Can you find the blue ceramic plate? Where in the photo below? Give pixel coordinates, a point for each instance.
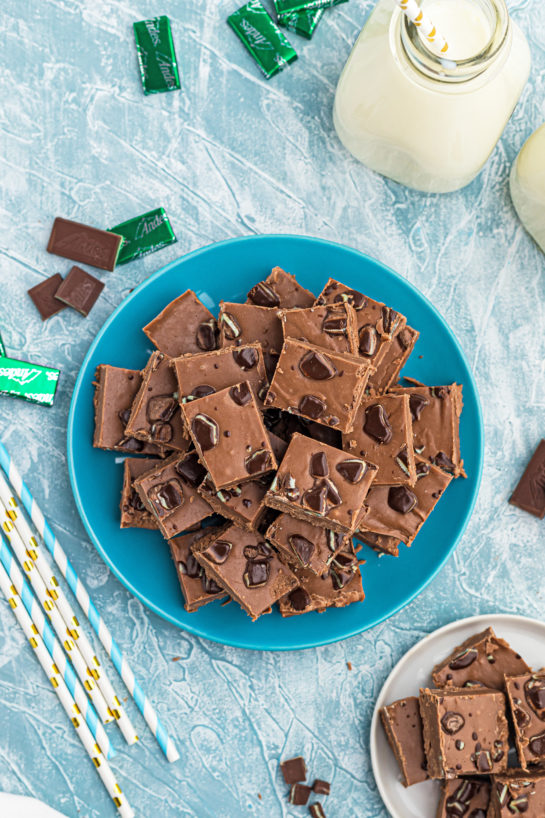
(141, 559)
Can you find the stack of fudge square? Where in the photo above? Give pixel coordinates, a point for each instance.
(480, 729)
(271, 437)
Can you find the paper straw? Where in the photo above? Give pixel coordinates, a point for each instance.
(55, 650)
(80, 592)
(53, 613)
(423, 22)
(29, 551)
(70, 707)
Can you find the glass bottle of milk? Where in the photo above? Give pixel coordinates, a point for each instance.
(528, 185)
(427, 120)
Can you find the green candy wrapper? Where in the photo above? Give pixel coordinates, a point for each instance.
(262, 37)
(290, 6)
(31, 382)
(144, 234)
(302, 22)
(156, 55)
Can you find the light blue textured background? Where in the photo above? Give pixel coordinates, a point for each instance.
(230, 155)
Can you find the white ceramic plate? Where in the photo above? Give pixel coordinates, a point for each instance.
(526, 636)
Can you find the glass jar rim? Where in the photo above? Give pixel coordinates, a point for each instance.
(440, 67)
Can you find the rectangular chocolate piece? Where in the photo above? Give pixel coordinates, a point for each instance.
(134, 514)
(465, 732)
(383, 435)
(247, 568)
(403, 727)
(246, 323)
(400, 511)
(242, 504)
(304, 545)
(517, 793)
(294, 770)
(115, 390)
(332, 326)
(435, 412)
(280, 289)
(262, 37)
(85, 244)
(529, 495)
(304, 23)
(31, 382)
(483, 659)
(320, 484)
(321, 787)
(156, 55)
(460, 797)
(526, 698)
(316, 811)
(394, 359)
(43, 296)
(319, 385)
(229, 436)
(155, 414)
(197, 589)
(170, 493)
(79, 290)
(377, 323)
(183, 326)
(200, 375)
(338, 587)
(143, 235)
(299, 794)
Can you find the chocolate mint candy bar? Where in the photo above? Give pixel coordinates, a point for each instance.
(294, 770)
(144, 234)
(43, 296)
(31, 382)
(184, 326)
(79, 290)
(529, 495)
(156, 55)
(85, 244)
(262, 37)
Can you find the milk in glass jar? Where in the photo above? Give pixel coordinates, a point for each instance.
(426, 119)
(528, 186)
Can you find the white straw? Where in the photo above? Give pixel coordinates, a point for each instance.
(70, 707)
(423, 22)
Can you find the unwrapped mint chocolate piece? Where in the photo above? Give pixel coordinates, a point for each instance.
(529, 494)
(31, 382)
(144, 234)
(85, 244)
(43, 296)
(262, 37)
(79, 290)
(156, 55)
(302, 22)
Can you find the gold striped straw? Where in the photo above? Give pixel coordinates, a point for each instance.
(423, 22)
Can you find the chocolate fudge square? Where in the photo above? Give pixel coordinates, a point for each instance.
(377, 323)
(483, 659)
(339, 586)
(197, 589)
(170, 493)
(229, 436)
(403, 727)
(200, 375)
(383, 434)
(394, 359)
(435, 412)
(465, 732)
(321, 484)
(332, 326)
(517, 793)
(155, 415)
(184, 326)
(380, 543)
(529, 494)
(317, 384)
(247, 568)
(134, 514)
(115, 390)
(245, 323)
(401, 511)
(461, 797)
(304, 545)
(280, 289)
(242, 504)
(526, 697)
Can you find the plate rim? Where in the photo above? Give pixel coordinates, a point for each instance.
(194, 628)
(477, 619)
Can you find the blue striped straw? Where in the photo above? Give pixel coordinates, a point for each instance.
(80, 592)
(54, 648)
